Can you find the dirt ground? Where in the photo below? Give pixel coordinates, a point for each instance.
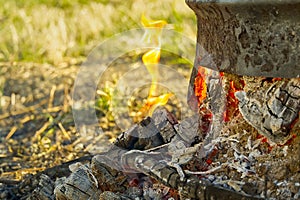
(37, 130)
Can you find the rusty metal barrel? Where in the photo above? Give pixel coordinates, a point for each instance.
(247, 37)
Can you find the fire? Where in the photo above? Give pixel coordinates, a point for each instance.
(151, 60)
(151, 57)
(200, 89)
(153, 102)
(153, 29)
(200, 84)
(232, 102)
(148, 23)
(201, 93)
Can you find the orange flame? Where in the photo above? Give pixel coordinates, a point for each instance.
(232, 102)
(200, 84)
(200, 88)
(153, 102)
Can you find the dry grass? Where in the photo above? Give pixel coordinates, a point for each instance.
(56, 31)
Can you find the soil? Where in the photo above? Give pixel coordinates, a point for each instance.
(37, 130)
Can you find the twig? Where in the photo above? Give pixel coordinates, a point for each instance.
(51, 96)
(9, 181)
(32, 109)
(156, 148)
(63, 130)
(41, 130)
(205, 172)
(26, 119)
(19, 112)
(11, 132)
(13, 99)
(15, 128)
(23, 171)
(66, 99)
(53, 109)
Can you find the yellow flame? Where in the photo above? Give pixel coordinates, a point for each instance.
(153, 102)
(160, 100)
(151, 60)
(151, 57)
(153, 29)
(152, 23)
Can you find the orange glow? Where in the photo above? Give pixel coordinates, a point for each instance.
(152, 23)
(201, 95)
(206, 119)
(265, 141)
(232, 102)
(200, 84)
(154, 102)
(289, 141)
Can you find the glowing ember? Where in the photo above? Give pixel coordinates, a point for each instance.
(206, 119)
(232, 102)
(200, 88)
(200, 84)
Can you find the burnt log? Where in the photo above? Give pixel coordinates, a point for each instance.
(107, 176)
(274, 114)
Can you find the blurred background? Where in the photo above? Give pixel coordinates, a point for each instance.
(56, 31)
